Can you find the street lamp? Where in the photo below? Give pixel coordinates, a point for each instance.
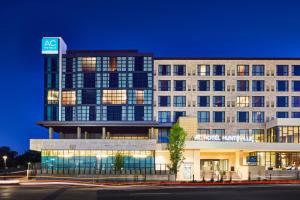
(5, 158)
(28, 165)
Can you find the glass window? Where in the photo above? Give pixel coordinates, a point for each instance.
(258, 101)
(242, 101)
(243, 133)
(220, 132)
(296, 86)
(88, 64)
(52, 97)
(296, 101)
(203, 85)
(282, 70)
(219, 116)
(164, 70)
(163, 135)
(179, 101)
(114, 97)
(282, 101)
(179, 70)
(179, 85)
(258, 85)
(282, 86)
(295, 114)
(68, 97)
(203, 131)
(88, 97)
(242, 85)
(219, 85)
(164, 101)
(114, 113)
(243, 117)
(139, 96)
(203, 101)
(219, 70)
(282, 115)
(140, 80)
(296, 70)
(89, 80)
(203, 116)
(164, 116)
(258, 117)
(178, 114)
(219, 101)
(203, 70)
(164, 85)
(258, 135)
(243, 70)
(258, 70)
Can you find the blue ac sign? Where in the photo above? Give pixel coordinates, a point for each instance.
(50, 45)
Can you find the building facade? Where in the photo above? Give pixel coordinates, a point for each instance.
(240, 114)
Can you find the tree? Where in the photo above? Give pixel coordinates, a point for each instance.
(175, 146)
(119, 162)
(28, 156)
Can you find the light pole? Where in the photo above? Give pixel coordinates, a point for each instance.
(28, 165)
(28, 168)
(5, 158)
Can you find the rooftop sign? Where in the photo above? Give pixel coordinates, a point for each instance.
(50, 45)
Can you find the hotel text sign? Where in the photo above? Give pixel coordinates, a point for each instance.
(224, 138)
(50, 45)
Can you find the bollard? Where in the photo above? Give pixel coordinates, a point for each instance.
(193, 178)
(270, 176)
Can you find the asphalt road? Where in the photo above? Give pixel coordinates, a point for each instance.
(50, 192)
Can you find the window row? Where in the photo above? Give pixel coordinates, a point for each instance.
(241, 116)
(72, 97)
(219, 70)
(103, 80)
(111, 64)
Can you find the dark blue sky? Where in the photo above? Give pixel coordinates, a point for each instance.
(249, 28)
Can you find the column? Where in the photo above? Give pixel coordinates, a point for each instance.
(108, 135)
(78, 133)
(152, 132)
(61, 136)
(103, 132)
(50, 131)
(85, 135)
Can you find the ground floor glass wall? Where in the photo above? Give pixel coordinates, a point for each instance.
(278, 160)
(92, 161)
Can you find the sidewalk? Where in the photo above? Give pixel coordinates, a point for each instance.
(177, 183)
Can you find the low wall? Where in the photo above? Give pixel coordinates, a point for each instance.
(282, 174)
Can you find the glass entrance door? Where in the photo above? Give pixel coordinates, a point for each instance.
(214, 165)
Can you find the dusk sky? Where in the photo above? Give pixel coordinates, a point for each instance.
(212, 28)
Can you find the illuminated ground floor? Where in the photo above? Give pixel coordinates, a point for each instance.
(197, 163)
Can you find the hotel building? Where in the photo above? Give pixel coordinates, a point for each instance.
(240, 114)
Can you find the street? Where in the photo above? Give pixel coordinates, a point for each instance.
(56, 192)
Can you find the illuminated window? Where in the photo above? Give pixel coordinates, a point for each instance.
(68, 97)
(52, 97)
(203, 70)
(114, 97)
(88, 64)
(243, 70)
(139, 96)
(242, 102)
(113, 64)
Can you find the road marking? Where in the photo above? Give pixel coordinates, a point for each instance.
(55, 194)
